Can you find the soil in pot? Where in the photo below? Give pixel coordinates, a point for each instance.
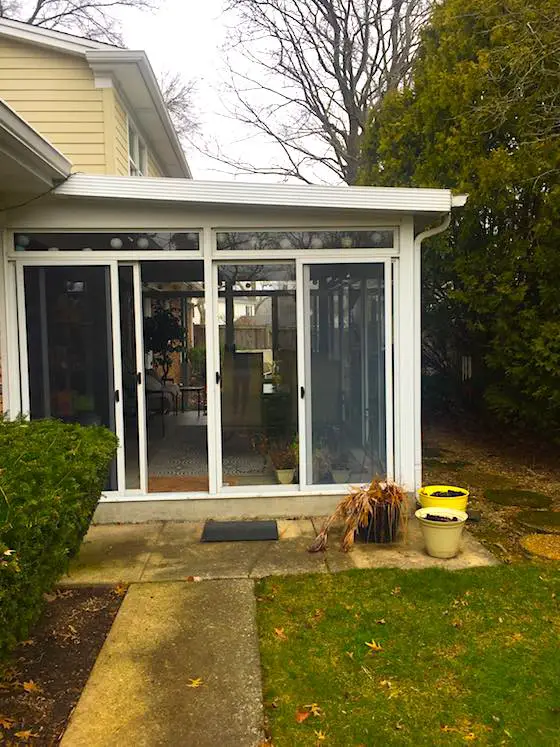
(383, 525)
(447, 494)
(436, 517)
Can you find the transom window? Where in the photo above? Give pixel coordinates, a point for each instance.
(137, 153)
(277, 240)
(106, 242)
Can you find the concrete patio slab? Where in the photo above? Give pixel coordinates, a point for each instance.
(289, 558)
(113, 554)
(139, 692)
(172, 551)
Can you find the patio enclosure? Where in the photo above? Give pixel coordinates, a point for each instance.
(214, 356)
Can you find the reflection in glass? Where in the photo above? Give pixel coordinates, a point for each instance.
(257, 333)
(308, 240)
(69, 339)
(106, 242)
(347, 355)
(175, 375)
(129, 378)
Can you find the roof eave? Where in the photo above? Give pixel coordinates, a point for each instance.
(106, 62)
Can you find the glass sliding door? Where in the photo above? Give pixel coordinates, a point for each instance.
(347, 359)
(70, 345)
(257, 373)
(174, 375)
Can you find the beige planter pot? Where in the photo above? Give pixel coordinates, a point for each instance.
(442, 538)
(341, 476)
(285, 476)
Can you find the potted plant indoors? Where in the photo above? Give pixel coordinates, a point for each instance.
(375, 512)
(340, 469)
(284, 460)
(163, 336)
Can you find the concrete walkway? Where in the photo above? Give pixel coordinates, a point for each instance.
(189, 619)
(166, 636)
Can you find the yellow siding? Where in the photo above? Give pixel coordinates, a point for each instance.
(153, 168)
(56, 94)
(121, 138)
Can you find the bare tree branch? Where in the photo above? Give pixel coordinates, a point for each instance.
(178, 95)
(304, 73)
(92, 19)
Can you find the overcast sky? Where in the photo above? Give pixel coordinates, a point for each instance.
(186, 36)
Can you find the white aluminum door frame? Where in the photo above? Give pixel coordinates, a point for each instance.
(142, 423)
(116, 342)
(214, 385)
(304, 360)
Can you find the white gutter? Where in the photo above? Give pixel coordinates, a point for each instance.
(456, 201)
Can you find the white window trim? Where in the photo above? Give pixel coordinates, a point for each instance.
(137, 150)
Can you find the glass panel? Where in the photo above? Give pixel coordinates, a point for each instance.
(347, 376)
(175, 375)
(130, 384)
(257, 334)
(310, 240)
(106, 242)
(69, 338)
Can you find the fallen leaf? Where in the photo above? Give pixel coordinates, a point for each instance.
(31, 687)
(29, 642)
(193, 578)
(6, 722)
(396, 591)
(448, 729)
(470, 737)
(457, 624)
(350, 654)
(381, 622)
(320, 736)
(302, 715)
(49, 597)
(9, 552)
(120, 590)
(313, 708)
(279, 633)
(374, 647)
(25, 734)
(197, 682)
(386, 683)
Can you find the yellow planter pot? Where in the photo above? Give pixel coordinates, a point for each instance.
(429, 500)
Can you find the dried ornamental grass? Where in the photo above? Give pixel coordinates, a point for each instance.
(358, 507)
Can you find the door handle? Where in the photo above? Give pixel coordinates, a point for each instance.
(218, 377)
(117, 395)
(139, 378)
(301, 392)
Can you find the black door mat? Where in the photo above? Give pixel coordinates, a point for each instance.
(239, 531)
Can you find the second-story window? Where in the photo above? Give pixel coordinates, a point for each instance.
(137, 153)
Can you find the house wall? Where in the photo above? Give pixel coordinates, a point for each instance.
(121, 136)
(153, 166)
(55, 93)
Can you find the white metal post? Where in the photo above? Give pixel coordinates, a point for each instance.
(117, 374)
(303, 380)
(140, 369)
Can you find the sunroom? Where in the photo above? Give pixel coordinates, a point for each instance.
(255, 347)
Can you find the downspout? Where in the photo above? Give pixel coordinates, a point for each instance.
(417, 357)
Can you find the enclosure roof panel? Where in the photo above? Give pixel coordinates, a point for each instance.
(385, 199)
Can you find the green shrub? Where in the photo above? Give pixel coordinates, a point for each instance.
(51, 476)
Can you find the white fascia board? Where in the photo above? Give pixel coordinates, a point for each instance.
(387, 199)
(108, 63)
(24, 141)
(26, 32)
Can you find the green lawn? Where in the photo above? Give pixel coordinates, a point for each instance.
(466, 657)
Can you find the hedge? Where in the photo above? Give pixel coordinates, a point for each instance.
(51, 476)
